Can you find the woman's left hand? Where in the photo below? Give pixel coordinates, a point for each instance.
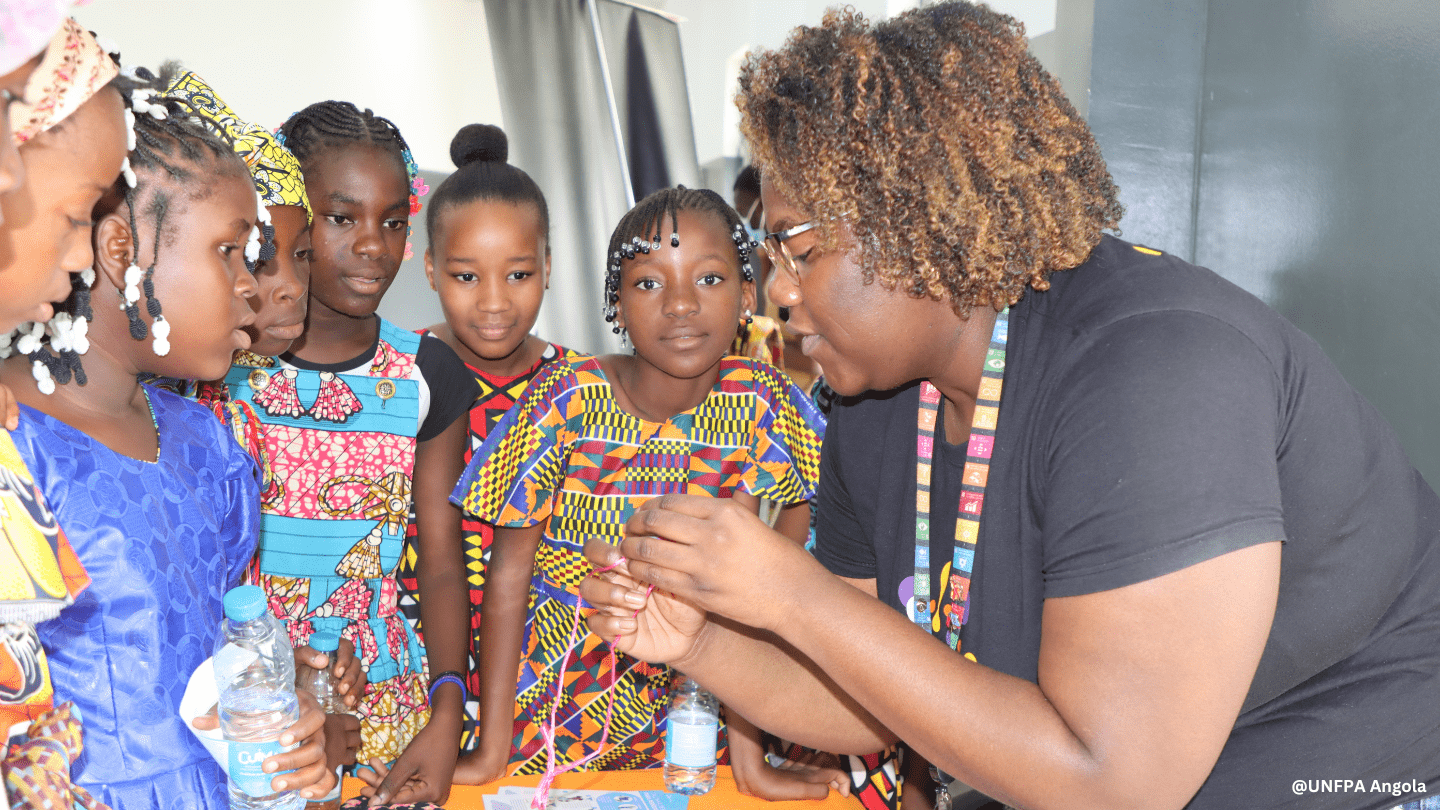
(421, 774)
(717, 555)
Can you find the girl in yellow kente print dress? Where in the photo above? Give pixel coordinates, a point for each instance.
(591, 440)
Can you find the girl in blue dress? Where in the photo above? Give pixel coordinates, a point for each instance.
(159, 503)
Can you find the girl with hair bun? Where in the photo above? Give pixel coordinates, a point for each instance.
(489, 259)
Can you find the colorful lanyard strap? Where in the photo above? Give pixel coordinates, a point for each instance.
(954, 604)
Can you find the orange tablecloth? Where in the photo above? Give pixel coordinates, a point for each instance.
(723, 796)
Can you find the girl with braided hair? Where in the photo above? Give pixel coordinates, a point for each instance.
(362, 420)
(1127, 537)
(157, 499)
(50, 179)
(591, 440)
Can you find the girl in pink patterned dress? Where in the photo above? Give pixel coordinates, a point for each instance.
(361, 418)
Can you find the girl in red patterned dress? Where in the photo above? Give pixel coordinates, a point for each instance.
(489, 259)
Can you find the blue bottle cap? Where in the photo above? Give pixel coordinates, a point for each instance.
(245, 603)
(326, 641)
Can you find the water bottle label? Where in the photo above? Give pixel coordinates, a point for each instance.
(246, 759)
(691, 745)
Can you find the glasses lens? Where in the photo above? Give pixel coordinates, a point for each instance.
(780, 255)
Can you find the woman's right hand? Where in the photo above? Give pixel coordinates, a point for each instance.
(655, 627)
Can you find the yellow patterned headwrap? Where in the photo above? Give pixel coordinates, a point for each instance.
(278, 179)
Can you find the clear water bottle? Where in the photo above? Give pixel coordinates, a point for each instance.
(323, 685)
(255, 675)
(692, 729)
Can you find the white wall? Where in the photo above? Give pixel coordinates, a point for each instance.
(714, 31)
(424, 64)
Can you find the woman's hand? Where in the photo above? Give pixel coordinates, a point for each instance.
(652, 626)
(421, 774)
(716, 555)
(9, 408)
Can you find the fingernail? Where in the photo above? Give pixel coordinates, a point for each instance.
(281, 784)
(634, 598)
(627, 626)
(287, 739)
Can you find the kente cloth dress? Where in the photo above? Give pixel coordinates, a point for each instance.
(567, 456)
(341, 447)
(163, 542)
(497, 396)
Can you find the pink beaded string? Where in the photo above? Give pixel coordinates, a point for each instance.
(547, 730)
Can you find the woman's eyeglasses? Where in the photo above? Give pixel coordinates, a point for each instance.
(779, 254)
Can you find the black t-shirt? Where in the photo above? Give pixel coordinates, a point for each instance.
(1155, 416)
(447, 388)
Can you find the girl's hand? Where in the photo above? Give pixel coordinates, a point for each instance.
(718, 556)
(348, 672)
(342, 739)
(9, 408)
(312, 776)
(790, 781)
(483, 765)
(422, 773)
(664, 630)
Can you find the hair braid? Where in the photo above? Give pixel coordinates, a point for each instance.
(639, 231)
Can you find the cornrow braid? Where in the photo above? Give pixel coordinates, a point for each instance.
(639, 231)
(170, 147)
(327, 125)
(173, 147)
(962, 169)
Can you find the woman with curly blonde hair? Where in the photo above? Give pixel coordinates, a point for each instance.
(1097, 528)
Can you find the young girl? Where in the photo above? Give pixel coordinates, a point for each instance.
(595, 437)
(489, 259)
(356, 411)
(43, 185)
(159, 503)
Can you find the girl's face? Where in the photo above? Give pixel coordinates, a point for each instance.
(361, 197)
(490, 268)
(282, 283)
(201, 280)
(681, 306)
(863, 336)
(46, 235)
(12, 88)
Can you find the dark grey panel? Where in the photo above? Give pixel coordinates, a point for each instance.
(1146, 81)
(1310, 173)
(1317, 185)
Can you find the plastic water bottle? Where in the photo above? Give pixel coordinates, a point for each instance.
(323, 685)
(255, 675)
(691, 732)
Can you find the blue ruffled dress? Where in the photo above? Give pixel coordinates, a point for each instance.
(162, 542)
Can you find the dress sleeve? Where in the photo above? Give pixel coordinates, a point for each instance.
(242, 508)
(512, 479)
(452, 387)
(1161, 453)
(784, 463)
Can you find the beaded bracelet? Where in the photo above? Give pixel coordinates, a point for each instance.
(451, 676)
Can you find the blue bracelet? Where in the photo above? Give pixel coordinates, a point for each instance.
(452, 677)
